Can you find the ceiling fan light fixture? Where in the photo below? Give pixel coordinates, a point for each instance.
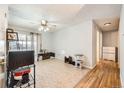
(45, 26)
(41, 28)
(47, 29)
(44, 22)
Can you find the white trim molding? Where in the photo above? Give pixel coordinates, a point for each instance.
(89, 66)
(122, 84)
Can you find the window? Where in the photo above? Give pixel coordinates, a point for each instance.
(27, 41)
(22, 41)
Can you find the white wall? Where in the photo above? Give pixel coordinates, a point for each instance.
(80, 38)
(121, 41)
(96, 44)
(101, 44)
(73, 40)
(110, 38)
(3, 26)
(46, 41)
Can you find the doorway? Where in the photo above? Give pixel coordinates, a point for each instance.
(110, 45)
(107, 41)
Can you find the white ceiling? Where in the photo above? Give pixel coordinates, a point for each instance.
(112, 27)
(30, 16)
(62, 15)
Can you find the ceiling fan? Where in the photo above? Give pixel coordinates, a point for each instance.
(45, 26)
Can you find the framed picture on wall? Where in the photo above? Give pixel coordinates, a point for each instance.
(12, 36)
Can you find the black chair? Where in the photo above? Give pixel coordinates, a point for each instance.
(69, 60)
(18, 60)
(66, 59)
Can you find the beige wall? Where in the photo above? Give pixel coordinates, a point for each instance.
(110, 39)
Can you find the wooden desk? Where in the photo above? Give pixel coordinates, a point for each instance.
(46, 55)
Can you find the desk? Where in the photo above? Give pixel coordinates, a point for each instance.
(46, 55)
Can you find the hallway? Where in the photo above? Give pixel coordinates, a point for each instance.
(104, 75)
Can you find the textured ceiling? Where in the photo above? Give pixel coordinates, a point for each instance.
(61, 15)
(112, 27)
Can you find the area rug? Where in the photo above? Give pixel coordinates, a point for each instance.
(54, 73)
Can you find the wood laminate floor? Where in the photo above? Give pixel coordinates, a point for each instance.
(104, 75)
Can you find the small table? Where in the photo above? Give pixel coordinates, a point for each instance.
(79, 61)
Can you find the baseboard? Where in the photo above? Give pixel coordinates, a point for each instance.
(122, 85)
(89, 67)
(93, 66)
(59, 58)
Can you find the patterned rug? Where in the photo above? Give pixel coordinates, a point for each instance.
(54, 73)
